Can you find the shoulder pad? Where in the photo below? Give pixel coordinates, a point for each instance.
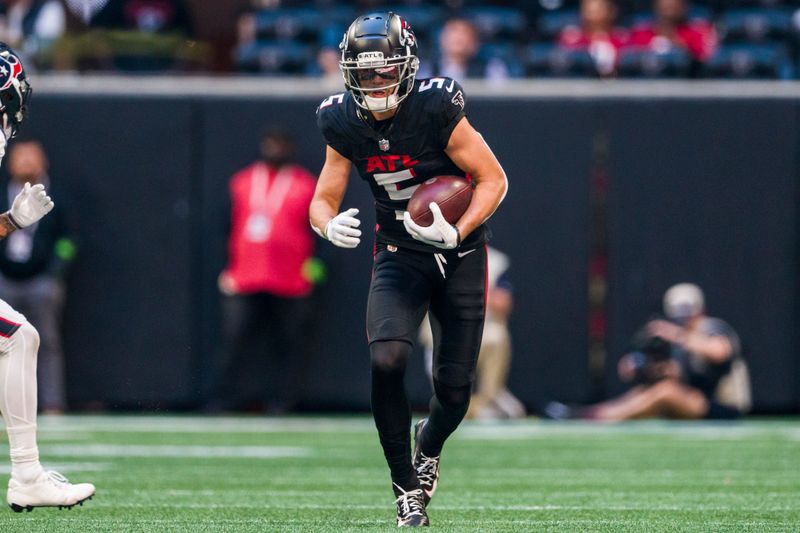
(444, 90)
(332, 100)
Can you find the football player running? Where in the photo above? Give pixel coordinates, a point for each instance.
(399, 132)
(30, 485)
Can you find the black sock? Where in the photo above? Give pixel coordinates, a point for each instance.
(448, 407)
(391, 410)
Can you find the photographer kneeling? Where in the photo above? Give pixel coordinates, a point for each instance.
(687, 367)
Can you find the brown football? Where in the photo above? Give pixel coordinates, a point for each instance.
(451, 193)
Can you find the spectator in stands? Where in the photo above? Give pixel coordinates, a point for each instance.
(268, 279)
(458, 57)
(597, 34)
(85, 11)
(491, 398)
(33, 265)
(687, 366)
(151, 17)
(32, 27)
(328, 67)
(138, 35)
(671, 27)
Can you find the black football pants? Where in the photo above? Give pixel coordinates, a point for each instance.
(406, 284)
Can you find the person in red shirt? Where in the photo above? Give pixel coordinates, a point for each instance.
(598, 34)
(672, 27)
(267, 281)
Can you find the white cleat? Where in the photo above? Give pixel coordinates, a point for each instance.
(50, 489)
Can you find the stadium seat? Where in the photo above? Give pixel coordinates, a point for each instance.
(505, 52)
(548, 60)
(696, 13)
(646, 63)
(289, 24)
(755, 25)
(750, 61)
(498, 23)
(335, 22)
(425, 20)
(551, 24)
(274, 57)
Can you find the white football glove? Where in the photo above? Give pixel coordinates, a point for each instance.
(3, 142)
(30, 205)
(441, 233)
(342, 230)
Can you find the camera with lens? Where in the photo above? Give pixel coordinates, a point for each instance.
(646, 353)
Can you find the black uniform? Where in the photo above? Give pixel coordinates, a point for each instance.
(394, 156)
(704, 375)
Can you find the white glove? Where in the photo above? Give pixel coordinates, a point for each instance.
(31, 204)
(441, 233)
(342, 230)
(3, 142)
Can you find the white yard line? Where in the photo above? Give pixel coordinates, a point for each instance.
(176, 451)
(77, 427)
(66, 467)
(201, 424)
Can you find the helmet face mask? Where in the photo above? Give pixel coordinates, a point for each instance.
(15, 91)
(379, 61)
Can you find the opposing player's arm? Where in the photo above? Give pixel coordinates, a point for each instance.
(6, 226)
(341, 229)
(470, 152)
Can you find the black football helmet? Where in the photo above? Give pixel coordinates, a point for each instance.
(379, 44)
(15, 91)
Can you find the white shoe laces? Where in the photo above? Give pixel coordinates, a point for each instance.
(410, 502)
(428, 469)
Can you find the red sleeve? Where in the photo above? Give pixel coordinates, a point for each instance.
(700, 39)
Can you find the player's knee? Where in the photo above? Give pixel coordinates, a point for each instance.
(389, 356)
(452, 396)
(31, 337)
(23, 343)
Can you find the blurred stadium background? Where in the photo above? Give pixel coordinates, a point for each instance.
(619, 187)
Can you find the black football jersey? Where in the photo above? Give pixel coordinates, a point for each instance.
(394, 156)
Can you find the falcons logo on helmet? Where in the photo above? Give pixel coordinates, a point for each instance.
(406, 35)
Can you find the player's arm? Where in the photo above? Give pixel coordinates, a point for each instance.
(469, 151)
(342, 228)
(715, 348)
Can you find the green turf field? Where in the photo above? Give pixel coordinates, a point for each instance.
(327, 474)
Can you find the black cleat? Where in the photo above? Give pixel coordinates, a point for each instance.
(427, 468)
(410, 507)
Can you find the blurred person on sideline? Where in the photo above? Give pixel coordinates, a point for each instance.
(491, 398)
(33, 265)
(598, 34)
(685, 366)
(671, 27)
(32, 27)
(457, 58)
(269, 275)
(30, 484)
